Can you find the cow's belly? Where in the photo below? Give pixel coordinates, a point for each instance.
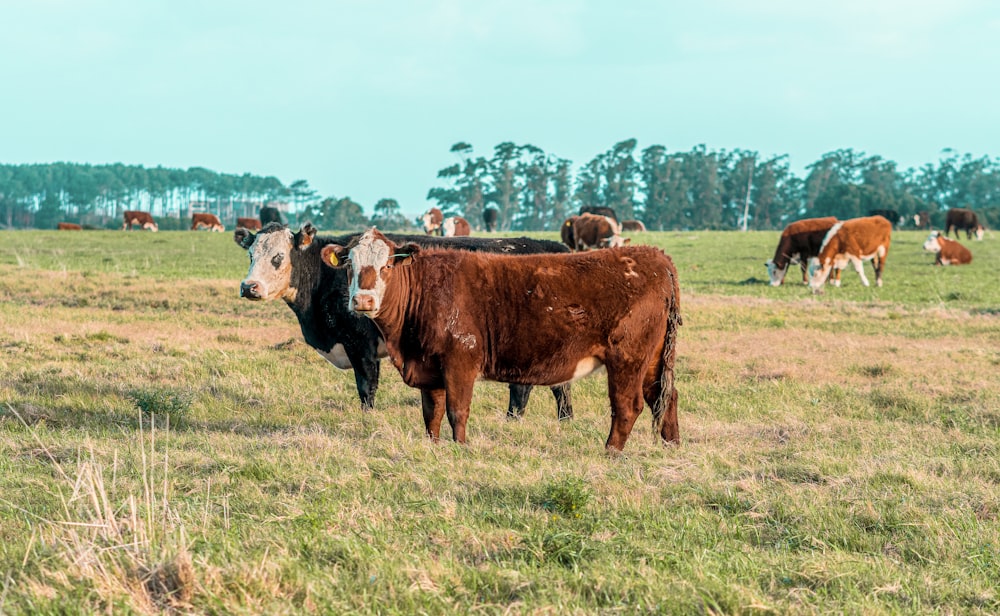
(338, 356)
(545, 372)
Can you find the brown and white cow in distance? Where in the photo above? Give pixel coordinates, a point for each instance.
(432, 220)
(949, 252)
(206, 221)
(633, 226)
(450, 317)
(135, 218)
(248, 223)
(456, 226)
(853, 241)
(800, 241)
(961, 219)
(591, 231)
(68, 226)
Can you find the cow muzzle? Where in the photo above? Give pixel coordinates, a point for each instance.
(363, 302)
(250, 290)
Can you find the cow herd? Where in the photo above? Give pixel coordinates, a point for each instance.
(132, 219)
(824, 246)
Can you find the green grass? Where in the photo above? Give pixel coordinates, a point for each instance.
(165, 445)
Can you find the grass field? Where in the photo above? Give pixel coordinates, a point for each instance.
(165, 445)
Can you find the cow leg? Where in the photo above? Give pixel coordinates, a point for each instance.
(859, 268)
(366, 373)
(432, 402)
(458, 400)
(564, 402)
(625, 393)
(518, 400)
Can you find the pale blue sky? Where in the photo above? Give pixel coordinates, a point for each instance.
(364, 99)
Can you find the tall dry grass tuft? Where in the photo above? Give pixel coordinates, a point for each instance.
(116, 534)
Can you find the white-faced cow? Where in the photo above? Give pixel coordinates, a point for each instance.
(456, 226)
(432, 220)
(450, 317)
(591, 231)
(949, 252)
(206, 221)
(249, 223)
(800, 241)
(961, 219)
(288, 266)
(853, 241)
(922, 220)
(143, 220)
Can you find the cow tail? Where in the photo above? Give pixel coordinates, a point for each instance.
(668, 390)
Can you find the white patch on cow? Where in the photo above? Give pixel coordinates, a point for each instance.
(829, 235)
(585, 367)
(980, 232)
(428, 225)
(465, 339)
(945, 261)
(449, 226)
(776, 274)
(337, 357)
(369, 252)
(272, 282)
(933, 243)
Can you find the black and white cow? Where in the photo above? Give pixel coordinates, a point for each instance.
(288, 266)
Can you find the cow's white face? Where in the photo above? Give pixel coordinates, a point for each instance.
(449, 226)
(270, 274)
(933, 244)
(429, 223)
(980, 232)
(775, 273)
(370, 264)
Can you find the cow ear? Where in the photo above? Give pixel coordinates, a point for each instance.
(405, 252)
(244, 238)
(333, 255)
(305, 236)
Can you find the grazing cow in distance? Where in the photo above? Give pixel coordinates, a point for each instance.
(206, 221)
(633, 225)
(800, 241)
(288, 266)
(890, 215)
(961, 219)
(68, 226)
(450, 317)
(143, 220)
(601, 211)
(456, 226)
(268, 215)
(922, 220)
(948, 252)
(591, 231)
(854, 241)
(249, 223)
(490, 216)
(432, 220)
(566, 232)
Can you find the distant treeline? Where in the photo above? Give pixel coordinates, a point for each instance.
(705, 189)
(532, 190)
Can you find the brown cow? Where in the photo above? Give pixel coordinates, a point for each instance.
(143, 220)
(949, 252)
(450, 317)
(251, 224)
(68, 226)
(633, 226)
(456, 226)
(853, 241)
(922, 220)
(432, 220)
(961, 219)
(799, 242)
(592, 231)
(206, 221)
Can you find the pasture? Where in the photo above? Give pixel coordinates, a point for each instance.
(165, 445)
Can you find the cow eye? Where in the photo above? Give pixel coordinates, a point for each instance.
(276, 261)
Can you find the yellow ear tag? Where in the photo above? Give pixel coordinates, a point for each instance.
(333, 259)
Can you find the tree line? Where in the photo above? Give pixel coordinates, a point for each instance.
(531, 190)
(707, 189)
